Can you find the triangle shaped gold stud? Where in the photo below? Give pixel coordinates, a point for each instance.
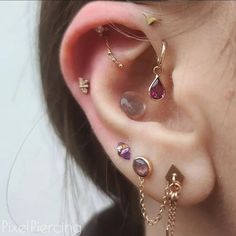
(174, 170)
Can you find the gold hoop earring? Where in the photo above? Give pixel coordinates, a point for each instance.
(156, 90)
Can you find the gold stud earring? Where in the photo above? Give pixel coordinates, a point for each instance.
(150, 20)
(103, 32)
(84, 85)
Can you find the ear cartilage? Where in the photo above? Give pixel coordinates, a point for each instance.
(84, 85)
(133, 105)
(123, 150)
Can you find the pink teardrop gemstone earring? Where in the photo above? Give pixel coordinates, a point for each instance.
(156, 90)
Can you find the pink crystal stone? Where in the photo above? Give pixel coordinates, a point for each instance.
(141, 167)
(123, 150)
(132, 105)
(156, 90)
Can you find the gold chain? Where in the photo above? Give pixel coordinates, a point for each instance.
(158, 216)
(170, 229)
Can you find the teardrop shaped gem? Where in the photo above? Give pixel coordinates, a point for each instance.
(156, 89)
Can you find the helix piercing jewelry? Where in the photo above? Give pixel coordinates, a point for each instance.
(84, 85)
(123, 150)
(132, 104)
(156, 90)
(150, 20)
(103, 32)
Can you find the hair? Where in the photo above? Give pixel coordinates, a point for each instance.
(69, 120)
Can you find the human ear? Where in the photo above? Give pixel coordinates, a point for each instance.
(169, 133)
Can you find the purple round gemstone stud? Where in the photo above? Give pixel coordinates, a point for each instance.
(123, 150)
(142, 167)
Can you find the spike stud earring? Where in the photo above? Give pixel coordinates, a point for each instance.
(156, 90)
(150, 20)
(84, 85)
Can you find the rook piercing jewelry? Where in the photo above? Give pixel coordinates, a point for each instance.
(132, 105)
(101, 31)
(123, 150)
(156, 90)
(84, 85)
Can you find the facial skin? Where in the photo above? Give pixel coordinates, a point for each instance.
(193, 127)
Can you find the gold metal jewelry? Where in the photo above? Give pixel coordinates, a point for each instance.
(150, 20)
(156, 89)
(84, 85)
(103, 32)
(171, 196)
(159, 214)
(175, 179)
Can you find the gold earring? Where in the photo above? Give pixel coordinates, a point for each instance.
(175, 179)
(156, 90)
(103, 32)
(143, 168)
(150, 20)
(84, 85)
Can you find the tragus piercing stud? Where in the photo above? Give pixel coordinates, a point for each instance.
(84, 85)
(103, 32)
(156, 90)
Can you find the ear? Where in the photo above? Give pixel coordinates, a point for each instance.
(170, 132)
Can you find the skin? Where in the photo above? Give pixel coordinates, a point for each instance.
(193, 127)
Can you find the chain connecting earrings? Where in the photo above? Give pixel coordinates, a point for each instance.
(142, 167)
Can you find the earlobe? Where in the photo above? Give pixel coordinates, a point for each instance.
(160, 133)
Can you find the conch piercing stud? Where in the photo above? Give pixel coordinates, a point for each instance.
(132, 104)
(103, 32)
(156, 90)
(84, 85)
